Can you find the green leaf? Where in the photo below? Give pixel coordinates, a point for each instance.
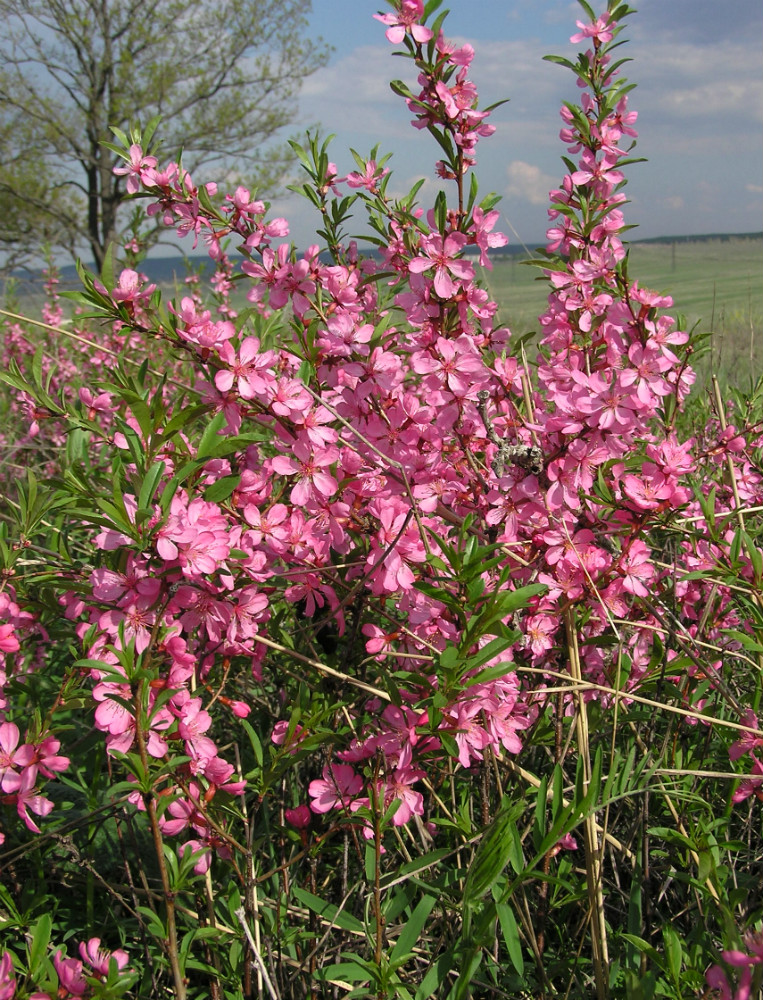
(412, 868)
(413, 927)
(449, 657)
(255, 741)
(492, 854)
(181, 419)
(344, 972)
(39, 943)
(222, 489)
(491, 673)
(469, 966)
(328, 911)
(561, 61)
(673, 952)
(149, 484)
(400, 88)
(154, 924)
(436, 976)
(489, 651)
(209, 437)
(510, 933)
(588, 9)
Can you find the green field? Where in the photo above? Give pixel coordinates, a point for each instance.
(717, 283)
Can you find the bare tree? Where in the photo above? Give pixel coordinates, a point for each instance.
(224, 76)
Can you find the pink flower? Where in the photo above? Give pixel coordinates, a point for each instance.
(70, 975)
(540, 630)
(752, 785)
(370, 177)
(7, 977)
(245, 369)
(482, 224)
(440, 254)
(8, 641)
(130, 288)
(637, 568)
(397, 788)
(299, 818)
(600, 30)
(280, 735)
(46, 757)
(338, 787)
(11, 756)
(137, 169)
(747, 742)
(99, 958)
(405, 20)
(471, 737)
(27, 797)
(456, 364)
(308, 464)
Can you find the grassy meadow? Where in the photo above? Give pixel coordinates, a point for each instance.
(716, 283)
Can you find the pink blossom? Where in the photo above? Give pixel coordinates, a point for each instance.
(471, 736)
(137, 169)
(8, 641)
(405, 20)
(752, 785)
(396, 787)
(247, 369)
(99, 958)
(280, 735)
(22, 786)
(339, 785)
(7, 977)
(481, 234)
(70, 974)
(308, 464)
(441, 254)
(637, 568)
(300, 817)
(370, 177)
(540, 630)
(747, 742)
(11, 755)
(600, 30)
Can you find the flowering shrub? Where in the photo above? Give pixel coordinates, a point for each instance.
(356, 627)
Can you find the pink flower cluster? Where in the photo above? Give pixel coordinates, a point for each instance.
(392, 434)
(20, 766)
(402, 435)
(76, 978)
(717, 978)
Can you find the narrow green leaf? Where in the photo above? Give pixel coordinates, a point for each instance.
(673, 952)
(39, 943)
(492, 854)
(209, 437)
(328, 911)
(222, 489)
(510, 933)
(149, 484)
(412, 929)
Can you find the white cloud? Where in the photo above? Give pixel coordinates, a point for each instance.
(528, 183)
(697, 81)
(674, 202)
(353, 95)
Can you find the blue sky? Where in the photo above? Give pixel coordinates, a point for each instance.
(697, 64)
